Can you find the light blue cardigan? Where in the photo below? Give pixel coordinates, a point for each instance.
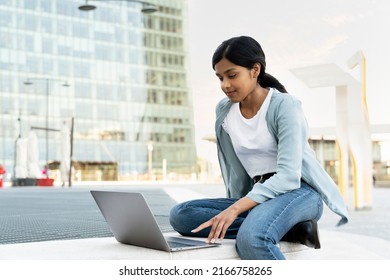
(295, 160)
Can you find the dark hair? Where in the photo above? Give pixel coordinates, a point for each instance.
(246, 52)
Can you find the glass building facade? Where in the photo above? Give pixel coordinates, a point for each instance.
(128, 92)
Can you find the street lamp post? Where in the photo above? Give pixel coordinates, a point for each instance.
(147, 7)
(150, 159)
(47, 80)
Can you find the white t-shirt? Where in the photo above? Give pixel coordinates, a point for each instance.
(253, 143)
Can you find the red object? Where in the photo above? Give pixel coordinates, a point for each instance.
(2, 172)
(45, 182)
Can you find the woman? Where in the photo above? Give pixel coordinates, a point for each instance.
(275, 185)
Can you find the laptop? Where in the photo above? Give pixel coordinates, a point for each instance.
(132, 222)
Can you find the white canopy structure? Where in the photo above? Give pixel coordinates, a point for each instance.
(353, 132)
(33, 170)
(21, 158)
(65, 152)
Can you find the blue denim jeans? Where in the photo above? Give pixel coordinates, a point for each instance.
(258, 231)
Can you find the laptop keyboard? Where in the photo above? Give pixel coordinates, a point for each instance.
(175, 244)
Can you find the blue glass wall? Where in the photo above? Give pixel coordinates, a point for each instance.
(127, 73)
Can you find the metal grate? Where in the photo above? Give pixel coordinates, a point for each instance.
(35, 214)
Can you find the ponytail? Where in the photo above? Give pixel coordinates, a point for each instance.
(266, 80)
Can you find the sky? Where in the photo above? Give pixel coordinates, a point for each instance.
(293, 34)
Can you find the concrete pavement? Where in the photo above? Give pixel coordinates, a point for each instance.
(65, 224)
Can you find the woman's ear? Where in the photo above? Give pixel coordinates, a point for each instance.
(256, 70)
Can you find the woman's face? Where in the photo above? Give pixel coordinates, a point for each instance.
(237, 82)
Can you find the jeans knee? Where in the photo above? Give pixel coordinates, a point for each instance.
(176, 216)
